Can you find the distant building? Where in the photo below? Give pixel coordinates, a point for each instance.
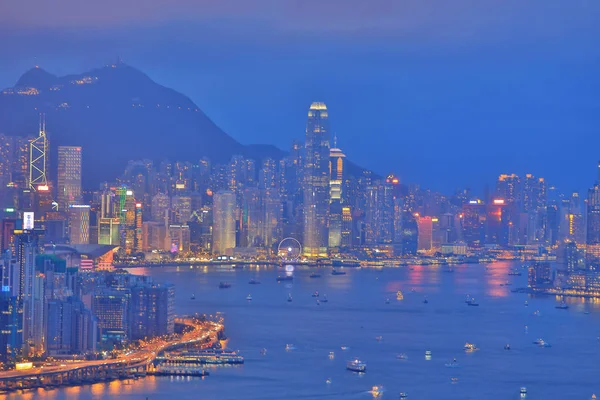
(111, 308)
(69, 176)
(79, 224)
(425, 236)
(336, 166)
(223, 221)
(152, 310)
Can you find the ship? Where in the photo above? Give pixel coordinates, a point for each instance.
(356, 366)
(314, 275)
(336, 272)
(470, 347)
(562, 305)
(285, 278)
(345, 262)
(224, 285)
(315, 294)
(210, 356)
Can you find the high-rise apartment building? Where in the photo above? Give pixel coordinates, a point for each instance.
(223, 221)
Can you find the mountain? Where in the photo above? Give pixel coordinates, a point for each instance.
(117, 113)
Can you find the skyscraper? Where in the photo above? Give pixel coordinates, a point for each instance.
(336, 166)
(79, 224)
(223, 221)
(69, 176)
(593, 216)
(316, 181)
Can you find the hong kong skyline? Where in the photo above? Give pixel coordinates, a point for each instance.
(444, 96)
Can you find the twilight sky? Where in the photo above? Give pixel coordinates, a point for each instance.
(444, 93)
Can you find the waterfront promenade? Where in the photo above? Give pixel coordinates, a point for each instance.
(126, 364)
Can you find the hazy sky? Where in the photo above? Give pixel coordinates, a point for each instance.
(445, 93)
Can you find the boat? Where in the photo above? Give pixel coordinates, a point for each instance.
(254, 282)
(526, 303)
(224, 285)
(208, 356)
(315, 294)
(285, 278)
(263, 352)
(472, 303)
(345, 348)
(426, 301)
(399, 295)
(507, 346)
(403, 395)
(324, 299)
(318, 302)
(193, 297)
(514, 272)
(402, 356)
(379, 338)
(345, 262)
(542, 343)
(562, 306)
(356, 366)
(249, 297)
(314, 275)
(523, 390)
(470, 347)
(377, 390)
(387, 301)
(328, 380)
(331, 355)
(537, 313)
(336, 272)
(453, 364)
(428, 353)
(289, 298)
(290, 347)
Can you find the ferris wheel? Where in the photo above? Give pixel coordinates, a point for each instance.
(289, 250)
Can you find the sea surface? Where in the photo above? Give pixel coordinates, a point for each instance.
(355, 315)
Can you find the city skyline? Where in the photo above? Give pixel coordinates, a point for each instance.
(460, 76)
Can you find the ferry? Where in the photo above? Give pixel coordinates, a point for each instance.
(315, 294)
(314, 275)
(356, 366)
(254, 282)
(211, 356)
(285, 278)
(470, 347)
(224, 285)
(336, 272)
(290, 347)
(249, 297)
(345, 262)
(399, 295)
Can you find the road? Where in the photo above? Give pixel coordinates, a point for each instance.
(142, 356)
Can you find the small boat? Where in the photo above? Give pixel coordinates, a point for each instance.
(345, 348)
(428, 353)
(285, 278)
(454, 380)
(526, 303)
(328, 381)
(425, 301)
(563, 306)
(542, 343)
(224, 285)
(473, 303)
(514, 272)
(470, 347)
(523, 390)
(507, 346)
(314, 275)
(403, 395)
(315, 294)
(402, 356)
(586, 312)
(289, 298)
(537, 313)
(336, 272)
(318, 302)
(377, 390)
(356, 366)
(254, 282)
(290, 347)
(468, 299)
(387, 301)
(193, 297)
(379, 338)
(453, 364)
(324, 299)
(331, 355)
(263, 352)
(399, 295)
(249, 297)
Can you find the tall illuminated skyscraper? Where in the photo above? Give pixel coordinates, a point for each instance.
(336, 167)
(316, 181)
(223, 221)
(69, 176)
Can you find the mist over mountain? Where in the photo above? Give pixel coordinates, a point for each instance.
(117, 113)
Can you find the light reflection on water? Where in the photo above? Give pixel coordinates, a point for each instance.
(356, 314)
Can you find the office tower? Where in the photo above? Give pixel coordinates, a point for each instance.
(223, 221)
(138, 241)
(336, 180)
(252, 218)
(409, 239)
(593, 216)
(497, 223)
(152, 310)
(14, 161)
(109, 231)
(182, 208)
(38, 149)
(316, 181)
(111, 306)
(271, 216)
(346, 227)
(161, 203)
(69, 176)
(179, 238)
(473, 222)
(425, 233)
(79, 224)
